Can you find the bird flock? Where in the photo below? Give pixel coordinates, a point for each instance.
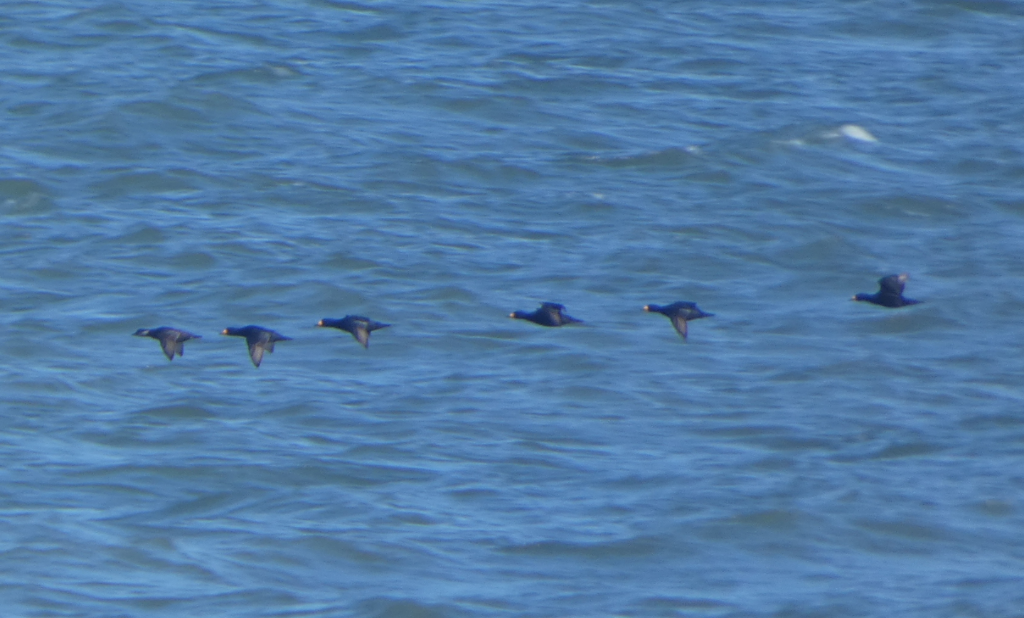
(261, 340)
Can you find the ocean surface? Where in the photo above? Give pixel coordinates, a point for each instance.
(438, 165)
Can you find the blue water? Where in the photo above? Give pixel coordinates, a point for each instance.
(213, 164)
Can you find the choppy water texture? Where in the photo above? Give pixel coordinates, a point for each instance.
(213, 164)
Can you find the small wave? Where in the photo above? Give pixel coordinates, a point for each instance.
(856, 132)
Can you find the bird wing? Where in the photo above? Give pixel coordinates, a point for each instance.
(256, 352)
(679, 323)
(556, 312)
(169, 345)
(362, 334)
(688, 310)
(893, 284)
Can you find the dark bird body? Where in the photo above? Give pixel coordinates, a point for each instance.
(890, 293)
(359, 326)
(549, 314)
(258, 339)
(171, 340)
(679, 313)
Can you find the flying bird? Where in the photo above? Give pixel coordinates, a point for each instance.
(172, 340)
(359, 326)
(890, 293)
(679, 313)
(549, 314)
(258, 339)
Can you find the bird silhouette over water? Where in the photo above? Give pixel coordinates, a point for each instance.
(258, 339)
(172, 340)
(549, 314)
(679, 313)
(890, 293)
(359, 326)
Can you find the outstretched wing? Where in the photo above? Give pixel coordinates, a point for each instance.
(256, 352)
(893, 284)
(679, 323)
(361, 333)
(169, 345)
